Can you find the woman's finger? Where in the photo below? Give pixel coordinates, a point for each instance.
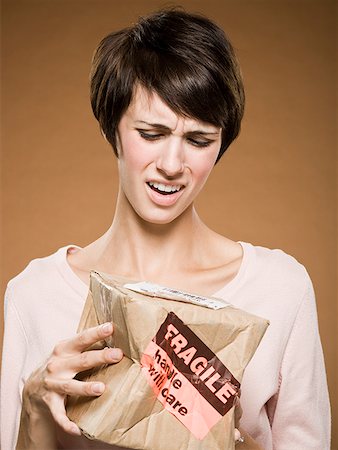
(238, 436)
(94, 358)
(68, 367)
(238, 413)
(83, 340)
(74, 387)
(58, 412)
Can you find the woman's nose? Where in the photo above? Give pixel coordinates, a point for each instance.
(171, 158)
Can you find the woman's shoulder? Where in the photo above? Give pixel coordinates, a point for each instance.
(277, 266)
(40, 273)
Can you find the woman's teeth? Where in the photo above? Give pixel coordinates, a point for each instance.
(164, 188)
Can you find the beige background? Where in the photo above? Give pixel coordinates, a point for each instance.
(275, 187)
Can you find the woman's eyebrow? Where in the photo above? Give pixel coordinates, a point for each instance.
(203, 132)
(154, 125)
(160, 126)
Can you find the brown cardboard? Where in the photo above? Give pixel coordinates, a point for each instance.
(128, 413)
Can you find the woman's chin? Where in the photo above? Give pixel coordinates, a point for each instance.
(159, 220)
(160, 217)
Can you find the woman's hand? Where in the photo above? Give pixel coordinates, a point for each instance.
(238, 415)
(243, 440)
(46, 389)
(247, 442)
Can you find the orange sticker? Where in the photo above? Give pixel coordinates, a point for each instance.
(187, 377)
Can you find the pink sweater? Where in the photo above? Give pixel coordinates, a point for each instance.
(284, 390)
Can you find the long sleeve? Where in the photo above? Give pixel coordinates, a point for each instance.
(13, 358)
(301, 419)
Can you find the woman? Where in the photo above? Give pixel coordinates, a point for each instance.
(168, 96)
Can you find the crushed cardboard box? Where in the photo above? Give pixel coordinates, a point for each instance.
(184, 358)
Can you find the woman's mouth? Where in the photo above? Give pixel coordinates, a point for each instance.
(165, 189)
(164, 194)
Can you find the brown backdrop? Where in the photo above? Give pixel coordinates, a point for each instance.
(276, 185)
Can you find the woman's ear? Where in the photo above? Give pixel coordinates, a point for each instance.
(103, 134)
(117, 144)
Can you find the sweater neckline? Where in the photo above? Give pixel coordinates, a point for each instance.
(225, 293)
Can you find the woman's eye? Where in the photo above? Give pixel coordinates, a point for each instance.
(149, 136)
(198, 143)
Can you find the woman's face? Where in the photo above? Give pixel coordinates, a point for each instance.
(164, 159)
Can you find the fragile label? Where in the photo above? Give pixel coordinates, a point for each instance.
(155, 290)
(187, 377)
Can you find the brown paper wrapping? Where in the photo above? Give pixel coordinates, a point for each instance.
(128, 414)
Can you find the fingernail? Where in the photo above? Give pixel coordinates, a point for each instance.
(237, 434)
(98, 388)
(115, 354)
(75, 429)
(107, 328)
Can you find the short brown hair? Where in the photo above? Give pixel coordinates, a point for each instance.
(185, 58)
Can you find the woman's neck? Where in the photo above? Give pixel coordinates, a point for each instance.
(184, 253)
(135, 248)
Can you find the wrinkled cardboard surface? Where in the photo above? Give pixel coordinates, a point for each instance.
(128, 413)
